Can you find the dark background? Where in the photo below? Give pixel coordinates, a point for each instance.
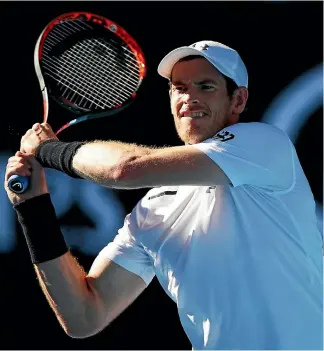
(278, 40)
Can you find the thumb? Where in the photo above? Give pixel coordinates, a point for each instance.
(47, 127)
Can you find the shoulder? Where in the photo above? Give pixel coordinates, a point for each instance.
(253, 134)
(256, 128)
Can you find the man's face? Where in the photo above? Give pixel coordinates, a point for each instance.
(199, 100)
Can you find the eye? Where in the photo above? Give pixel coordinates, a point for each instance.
(207, 87)
(179, 88)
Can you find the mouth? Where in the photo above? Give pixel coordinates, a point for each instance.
(193, 115)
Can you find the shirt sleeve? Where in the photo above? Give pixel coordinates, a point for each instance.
(126, 249)
(254, 154)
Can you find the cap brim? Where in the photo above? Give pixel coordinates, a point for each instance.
(166, 65)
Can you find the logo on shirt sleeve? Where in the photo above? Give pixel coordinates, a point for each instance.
(223, 136)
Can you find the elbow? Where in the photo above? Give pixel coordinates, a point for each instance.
(81, 333)
(76, 335)
(77, 330)
(90, 322)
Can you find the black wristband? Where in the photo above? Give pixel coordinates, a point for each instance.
(41, 228)
(57, 154)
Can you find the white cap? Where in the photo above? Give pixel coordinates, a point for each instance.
(224, 58)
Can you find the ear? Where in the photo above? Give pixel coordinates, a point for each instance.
(170, 88)
(239, 100)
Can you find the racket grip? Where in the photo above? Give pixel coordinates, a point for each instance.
(18, 184)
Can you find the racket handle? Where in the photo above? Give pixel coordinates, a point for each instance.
(18, 184)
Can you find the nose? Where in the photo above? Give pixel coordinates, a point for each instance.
(192, 101)
(190, 97)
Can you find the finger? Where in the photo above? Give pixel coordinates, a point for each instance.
(46, 126)
(21, 170)
(18, 160)
(13, 163)
(23, 155)
(36, 127)
(18, 165)
(15, 159)
(12, 158)
(24, 158)
(20, 157)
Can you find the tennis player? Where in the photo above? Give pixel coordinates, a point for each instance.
(229, 227)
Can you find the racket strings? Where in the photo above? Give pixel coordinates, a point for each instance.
(93, 73)
(82, 83)
(128, 52)
(100, 82)
(82, 74)
(110, 70)
(80, 23)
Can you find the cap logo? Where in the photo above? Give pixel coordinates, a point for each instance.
(200, 46)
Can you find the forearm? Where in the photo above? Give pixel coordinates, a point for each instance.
(63, 281)
(103, 161)
(65, 286)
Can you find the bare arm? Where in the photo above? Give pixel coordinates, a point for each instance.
(86, 303)
(128, 166)
(83, 303)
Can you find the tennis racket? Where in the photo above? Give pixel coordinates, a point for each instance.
(90, 66)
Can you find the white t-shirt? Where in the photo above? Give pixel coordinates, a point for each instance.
(243, 262)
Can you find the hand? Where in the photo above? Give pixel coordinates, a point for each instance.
(26, 165)
(35, 136)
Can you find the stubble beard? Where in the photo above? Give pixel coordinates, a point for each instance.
(190, 137)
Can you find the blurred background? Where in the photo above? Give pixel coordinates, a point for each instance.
(281, 43)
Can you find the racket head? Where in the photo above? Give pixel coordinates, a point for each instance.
(89, 65)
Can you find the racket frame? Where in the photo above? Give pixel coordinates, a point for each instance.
(20, 184)
(109, 25)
